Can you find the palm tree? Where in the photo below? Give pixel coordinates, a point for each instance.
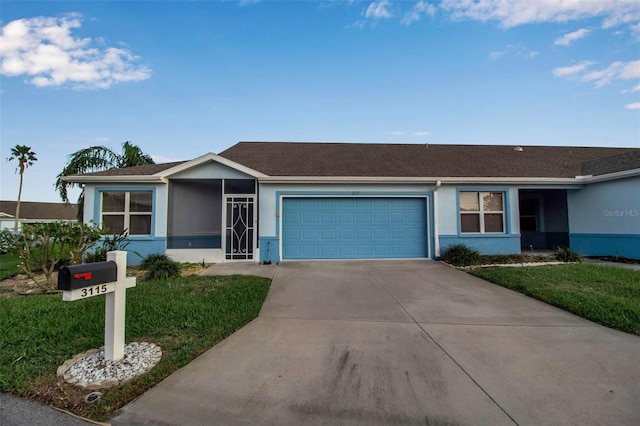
(95, 159)
(25, 158)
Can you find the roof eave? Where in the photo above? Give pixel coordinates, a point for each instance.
(419, 180)
(611, 176)
(115, 179)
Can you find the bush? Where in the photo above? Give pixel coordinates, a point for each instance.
(566, 255)
(109, 243)
(461, 255)
(8, 241)
(160, 267)
(44, 247)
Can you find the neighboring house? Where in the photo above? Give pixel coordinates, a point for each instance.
(269, 201)
(32, 212)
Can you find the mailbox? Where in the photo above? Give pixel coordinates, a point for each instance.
(87, 275)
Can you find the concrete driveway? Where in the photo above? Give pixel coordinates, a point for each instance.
(401, 342)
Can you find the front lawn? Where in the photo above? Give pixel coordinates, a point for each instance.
(605, 294)
(9, 265)
(184, 316)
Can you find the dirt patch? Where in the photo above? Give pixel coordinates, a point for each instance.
(514, 258)
(616, 259)
(21, 285)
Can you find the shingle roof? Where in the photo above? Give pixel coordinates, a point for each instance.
(37, 210)
(617, 163)
(412, 160)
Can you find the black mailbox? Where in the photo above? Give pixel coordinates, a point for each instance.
(87, 275)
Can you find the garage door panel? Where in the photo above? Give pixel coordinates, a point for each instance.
(354, 227)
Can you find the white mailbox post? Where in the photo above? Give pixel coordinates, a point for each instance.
(88, 280)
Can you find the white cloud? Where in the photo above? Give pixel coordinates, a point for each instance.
(604, 76)
(159, 159)
(43, 49)
(631, 70)
(415, 14)
(518, 50)
(633, 89)
(358, 24)
(247, 2)
(497, 54)
(513, 13)
(572, 69)
(403, 133)
(635, 105)
(601, 77)
(569, 38)
(378, 10)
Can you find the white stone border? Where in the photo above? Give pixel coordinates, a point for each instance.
(505, 265)
(131, 362)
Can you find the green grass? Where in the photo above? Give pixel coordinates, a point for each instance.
(9, 265)
(184, 316)
(604, 294)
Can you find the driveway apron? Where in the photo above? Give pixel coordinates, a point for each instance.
(401, 342)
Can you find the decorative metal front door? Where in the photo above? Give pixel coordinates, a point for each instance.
(239, 227)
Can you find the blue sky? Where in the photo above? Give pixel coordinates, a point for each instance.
(181, 79)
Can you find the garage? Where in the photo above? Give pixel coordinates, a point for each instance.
(354, 227)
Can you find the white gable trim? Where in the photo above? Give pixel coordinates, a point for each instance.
(208, 158)
(609, 176)
(114, 179)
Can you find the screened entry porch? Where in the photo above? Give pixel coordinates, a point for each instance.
(544, 219)
(212, 220)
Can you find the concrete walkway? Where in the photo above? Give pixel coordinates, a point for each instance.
(401, 342)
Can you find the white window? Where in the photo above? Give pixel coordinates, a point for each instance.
(130, 210)
(481, 212)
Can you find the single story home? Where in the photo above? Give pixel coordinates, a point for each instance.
(273, 201)
(34, 211)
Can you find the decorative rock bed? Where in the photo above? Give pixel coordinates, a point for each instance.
(90, 370)
(506, 265)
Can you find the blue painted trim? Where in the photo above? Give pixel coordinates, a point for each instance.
(624, 245)
(507, 210)
(194, 241)
(139, 249)
(269, 249)
(485, 244)
(97, 199)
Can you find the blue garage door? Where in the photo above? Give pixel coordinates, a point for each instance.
(354, 228)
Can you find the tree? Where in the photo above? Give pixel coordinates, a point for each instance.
(25, 158)
(45, 247)
(95, 159)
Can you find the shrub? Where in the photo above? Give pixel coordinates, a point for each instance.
(566, 255)
(150, 259)
(461, 255)
(8, 241)
(47, 246)
(160, 267)
(108, 243)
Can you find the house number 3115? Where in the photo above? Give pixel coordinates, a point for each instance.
(93, 291)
